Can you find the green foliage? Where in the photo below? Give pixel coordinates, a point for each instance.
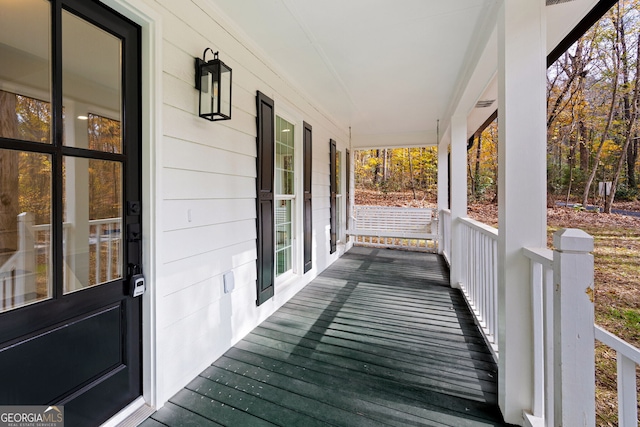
(482, 158)
(590, 92)
(398, 169)
(630, 318)
(626, 193)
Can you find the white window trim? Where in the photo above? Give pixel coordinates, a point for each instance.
(341, 206)
(289, 114)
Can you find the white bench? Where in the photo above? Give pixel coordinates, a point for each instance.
(392, 227)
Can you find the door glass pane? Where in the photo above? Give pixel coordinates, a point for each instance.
(283, 236)
(92, 222)
(91, 80)
(25, 70)
(25, 228)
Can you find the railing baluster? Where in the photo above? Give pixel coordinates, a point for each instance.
(627, 395)
(479, 276)
(108, 260)
(537, 298)
(549, 346)
(98, 252)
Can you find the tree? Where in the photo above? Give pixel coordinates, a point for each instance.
(591, 119)
(8, 177)
(397, 169)
(631, 116)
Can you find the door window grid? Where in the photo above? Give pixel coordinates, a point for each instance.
(27, 240)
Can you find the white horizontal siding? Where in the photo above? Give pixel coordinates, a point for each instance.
(183, 214)
(198, 296)
(188, 155)
(185, 184)
(186, 126)
(185, 272)
(206, 214)
(195, 241)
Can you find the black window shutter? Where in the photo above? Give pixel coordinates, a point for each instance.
(265, 198)
(308, 227)
(332, 186)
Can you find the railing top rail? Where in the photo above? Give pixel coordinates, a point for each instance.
(617, 344)
(481, 227)
(44, 227)
(392, 208)
(104, 221)
(543, 256)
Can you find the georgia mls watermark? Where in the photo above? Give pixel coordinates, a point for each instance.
(31, 416)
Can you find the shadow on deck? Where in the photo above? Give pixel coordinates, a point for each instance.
(379, 338)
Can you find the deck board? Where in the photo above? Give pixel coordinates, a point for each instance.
(378, 339)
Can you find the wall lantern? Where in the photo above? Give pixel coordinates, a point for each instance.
(213, 80)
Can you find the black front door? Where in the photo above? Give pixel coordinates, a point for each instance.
(69, 208)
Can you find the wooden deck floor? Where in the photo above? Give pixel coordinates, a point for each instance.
(377, 339)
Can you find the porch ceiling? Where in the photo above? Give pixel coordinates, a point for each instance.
(389, 69)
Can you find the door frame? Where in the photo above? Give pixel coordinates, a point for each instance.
(92, 15)
(150, 22)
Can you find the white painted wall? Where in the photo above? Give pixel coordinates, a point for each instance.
(202, 223)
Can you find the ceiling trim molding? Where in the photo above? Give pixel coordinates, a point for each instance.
(394, 140)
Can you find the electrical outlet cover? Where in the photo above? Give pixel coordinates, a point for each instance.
(229, 282)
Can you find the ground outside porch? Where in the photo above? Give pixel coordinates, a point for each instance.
(378, 339)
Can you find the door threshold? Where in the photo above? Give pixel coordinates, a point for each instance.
(132, 415)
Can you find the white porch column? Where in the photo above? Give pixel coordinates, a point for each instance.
(458, 194)
(443, 174)
(443, 187)
(521, 192)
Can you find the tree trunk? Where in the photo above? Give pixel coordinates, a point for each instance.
(476, 173)
(571, 158)
(413, 185)
(376, 170)
(8, 178)
(385, 166)
(605, 133)
(632, 158)
(584, 152)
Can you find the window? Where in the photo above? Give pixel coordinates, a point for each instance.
(339, 198)
(283, 209)
(285, 197)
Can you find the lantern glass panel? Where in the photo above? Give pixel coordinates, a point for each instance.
(205, 92)
(225, 94)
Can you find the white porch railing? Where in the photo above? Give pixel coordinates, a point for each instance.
(445, 237)
(390, 227)
(104, 235)
(18, 274)
(628, 358)
(564, 337)
(541, 261)
(479, 281)
(563, 325)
